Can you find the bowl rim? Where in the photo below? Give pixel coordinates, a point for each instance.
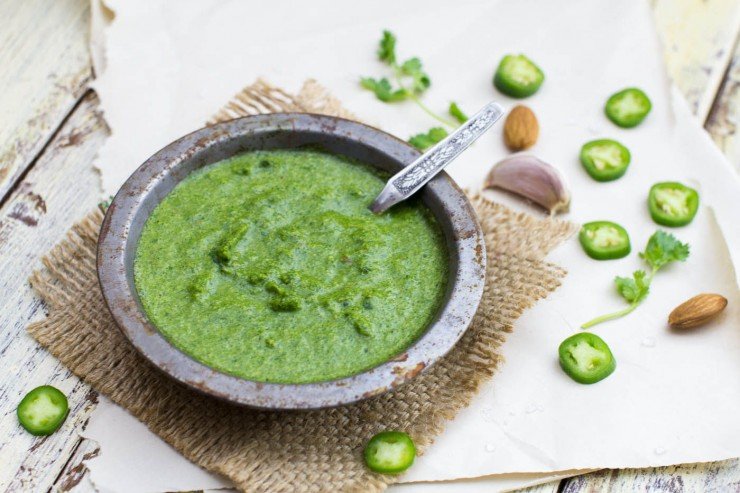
(116, 280)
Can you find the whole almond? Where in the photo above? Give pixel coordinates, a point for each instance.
(696, 311)
(521, 128)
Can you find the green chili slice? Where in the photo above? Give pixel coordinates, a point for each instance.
(672, 203)
(604, 240)
(518, 76)
(628, 107)
(390, 452)
(586, 358)
(605, 159)
(43, 410)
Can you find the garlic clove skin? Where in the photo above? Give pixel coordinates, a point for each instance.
(533, 179)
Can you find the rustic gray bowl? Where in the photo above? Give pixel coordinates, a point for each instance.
(154, 179)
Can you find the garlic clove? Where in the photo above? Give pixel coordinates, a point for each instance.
(533, 179)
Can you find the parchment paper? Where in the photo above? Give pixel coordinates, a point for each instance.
(674, 398)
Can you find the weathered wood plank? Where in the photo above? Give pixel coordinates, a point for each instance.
(698, 37)
(723, 123)
(551, 487)
(45, 69)
(714, 476)
(60, 188)
(75, 478)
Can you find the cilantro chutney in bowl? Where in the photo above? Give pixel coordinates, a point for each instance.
(269, 266)
(242, 260)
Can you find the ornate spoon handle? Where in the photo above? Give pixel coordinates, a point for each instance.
(411, 178)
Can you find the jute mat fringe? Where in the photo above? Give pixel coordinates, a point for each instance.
(295, 451)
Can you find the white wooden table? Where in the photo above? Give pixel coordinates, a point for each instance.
(50, 132)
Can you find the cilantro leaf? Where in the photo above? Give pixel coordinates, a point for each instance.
(457, 113)
(411, 66)
(104, 204)
(663, 248)
(427, 140)
(420, 81)
(387, 48)
(383, 89)
(410, 82)
(633, 289)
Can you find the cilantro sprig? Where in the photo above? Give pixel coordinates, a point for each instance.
(409, 82)
(662, 249)
(426, 140)
(457, 113)
(104, 204)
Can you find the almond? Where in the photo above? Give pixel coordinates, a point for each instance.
(521, 128)
(696, 311)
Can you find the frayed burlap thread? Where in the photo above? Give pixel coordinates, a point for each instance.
(311, 451)
(262, 97)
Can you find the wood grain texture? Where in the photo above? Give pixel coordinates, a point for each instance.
(698, 37)
(723, 123)
(56, 192)
(551, 487)
(723, 476)
(74, 478)
(45, 69)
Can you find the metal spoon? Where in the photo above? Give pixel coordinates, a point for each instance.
(406, 182)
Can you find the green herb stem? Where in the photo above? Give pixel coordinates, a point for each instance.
(418, 102)
(431, 113)
(623, 312)
(610, 316)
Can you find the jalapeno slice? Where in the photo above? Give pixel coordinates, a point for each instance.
(604, 240)
(390, 452)
(672, 203)
(518, 76)
(43, 410)
(628, 107)
(605, 159)
(586, 358)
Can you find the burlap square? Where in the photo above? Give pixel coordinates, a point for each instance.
(292, 451)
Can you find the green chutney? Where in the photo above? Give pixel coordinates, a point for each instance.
(269, 266)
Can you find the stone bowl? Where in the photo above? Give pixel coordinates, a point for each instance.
(154, 179)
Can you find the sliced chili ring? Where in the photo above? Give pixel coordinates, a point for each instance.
(586, 358)
(604, 240)
(390, 452)
(605, 159)
(43, 410)
(518, 76)
(672, 203)
(628, 107)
